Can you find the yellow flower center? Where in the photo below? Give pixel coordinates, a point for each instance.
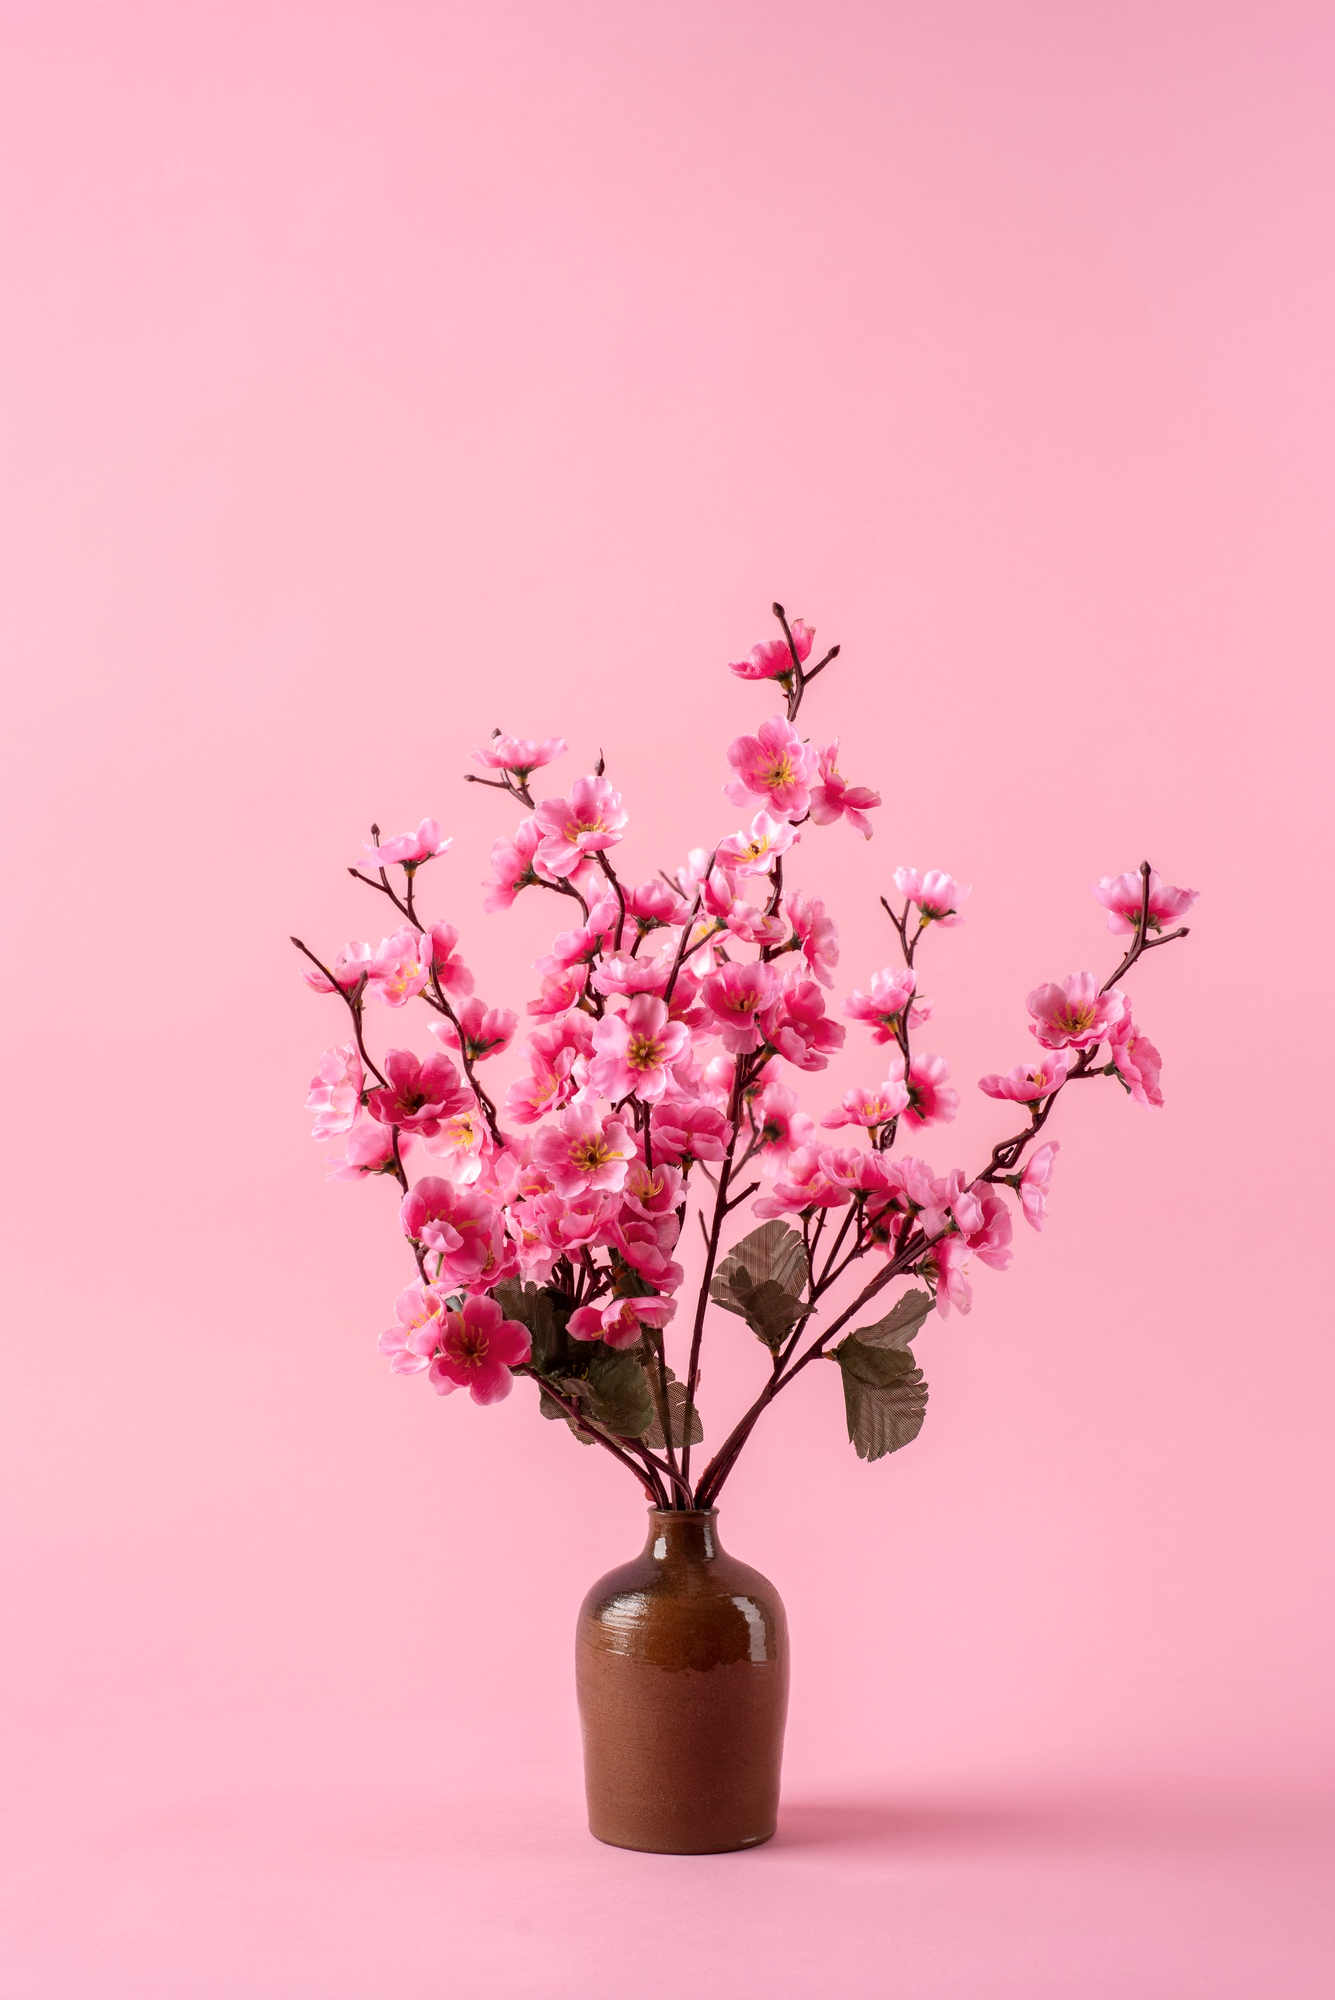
(779, 773)
(644, 1052)
(590, 1154)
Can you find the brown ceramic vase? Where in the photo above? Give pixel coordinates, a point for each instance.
(681, 1663)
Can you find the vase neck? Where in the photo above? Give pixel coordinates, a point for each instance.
(681, 1536)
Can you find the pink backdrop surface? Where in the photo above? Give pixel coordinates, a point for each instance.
(377, 373)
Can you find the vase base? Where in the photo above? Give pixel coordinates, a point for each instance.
(709, 1847)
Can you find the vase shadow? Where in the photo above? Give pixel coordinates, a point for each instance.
(904, 1823)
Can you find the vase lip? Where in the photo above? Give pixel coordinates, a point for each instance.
(682, 1513)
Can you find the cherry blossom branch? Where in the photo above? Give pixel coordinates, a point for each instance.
(569, 1405)
(658, 1348)
(353, 1007)
(1005, 1156)
(518, 790)
(610, 872)
(801, 677)
(711, 1257)
(488, 1108)
(686, 929)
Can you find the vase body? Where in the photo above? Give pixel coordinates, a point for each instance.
(681, 1665)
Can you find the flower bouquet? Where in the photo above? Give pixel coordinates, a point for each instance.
(672, 1019)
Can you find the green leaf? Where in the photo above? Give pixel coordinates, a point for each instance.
(619, 1397)
(885, 1396)
(900, 1324)
(676, 1402)
(544, 1313)
(552, 1409)
(762, 1280)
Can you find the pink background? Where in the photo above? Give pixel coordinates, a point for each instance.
(376, 373)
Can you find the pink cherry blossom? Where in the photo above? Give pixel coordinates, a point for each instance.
(626, 976)
(549, 1226)
(584, 1152)
(814, 933)
(1075, 1014)
(797, 1026)
(871, 1108)
(559, 991)
(472, 1243)
(635, 1049)
(686, 1129)
(514, 866)
(717, 1077)
(939, 897)
(651, 1191)
(774, 768)
(772, 659)
(426, 1210)
(721, 904)
(408, 849)
(805, 1182)
(989, 1234)
(554, 1052)
(1027, 1082)
(1138, 1063)
(834, 797)
(589, 821)
(336, 1091)
(655, 903)
(646, 1242)
(780, 1123)
(486, 1031)
(843, 1166)
(685, 1003)
(932, 1101)
(1034, 1182)
(368, 1149)
(1123, 897)
(736, 996)
(519, 754)
(417, 1094)
(352, 962)
(478, 1348)
(755, 852)
(620, 1323)
(412, 1340)
(531, 1097)
(462, 1144)
(452, 975)
(951, 1258)
(401, 967)
(582, 946)
(883, 1008)
(888, 1208)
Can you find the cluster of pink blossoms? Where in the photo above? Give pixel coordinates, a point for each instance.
(672, 1019)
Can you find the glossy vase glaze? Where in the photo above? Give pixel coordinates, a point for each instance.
(681, 1662)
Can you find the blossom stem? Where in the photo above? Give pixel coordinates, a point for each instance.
(658, 1348)
(683, 940)
(711, 1257)
(488, 1108)
(646, 1475)
(610, 872)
